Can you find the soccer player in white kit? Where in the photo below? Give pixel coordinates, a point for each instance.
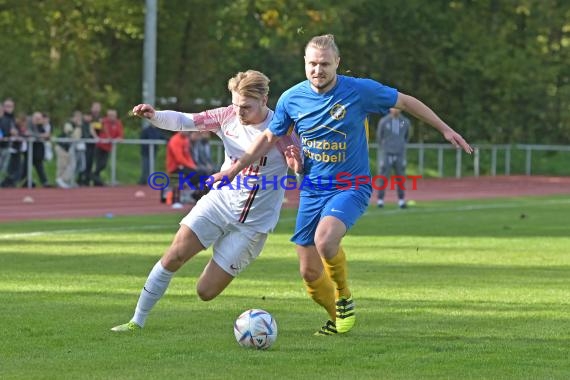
(234, 219)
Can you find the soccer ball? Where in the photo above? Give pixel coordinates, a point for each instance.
(255, 328)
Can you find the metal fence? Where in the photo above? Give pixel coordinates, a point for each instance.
(490, 151)
(496, 156)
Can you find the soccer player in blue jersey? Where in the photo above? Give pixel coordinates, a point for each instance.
(329, 112)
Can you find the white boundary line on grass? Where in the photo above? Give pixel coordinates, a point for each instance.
(382, 212)
(76, 230)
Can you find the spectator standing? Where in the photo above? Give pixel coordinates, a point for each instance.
(66, 152)
(40, 129)
(7, 130)
(392, 135)
(85, 151)
(83, 131)
(90, 131)
(111, 129)
(48, 151)
(14, 169)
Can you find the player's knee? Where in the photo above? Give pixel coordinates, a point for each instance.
(309, 274)
(326, 247)
(173, 259)
(204, 293)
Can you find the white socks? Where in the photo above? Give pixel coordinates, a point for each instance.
(155, 286)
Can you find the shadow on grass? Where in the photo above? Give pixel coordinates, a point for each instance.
(268, 268)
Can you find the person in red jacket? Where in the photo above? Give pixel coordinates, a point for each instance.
(179, 161)
(178, 158)
(111, 128)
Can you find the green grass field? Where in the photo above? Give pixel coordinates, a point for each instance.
(445, 290)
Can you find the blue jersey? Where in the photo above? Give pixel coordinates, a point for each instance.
(333, 126)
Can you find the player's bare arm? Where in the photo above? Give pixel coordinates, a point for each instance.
(421, 111)
(257, 149)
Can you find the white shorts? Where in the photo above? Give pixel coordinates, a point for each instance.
(235, 246)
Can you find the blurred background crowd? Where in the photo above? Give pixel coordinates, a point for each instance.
(80, 147)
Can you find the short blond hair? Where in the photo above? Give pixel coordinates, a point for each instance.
(252, 84)
(326, 41)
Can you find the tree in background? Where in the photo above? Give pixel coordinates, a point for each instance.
(499, 69)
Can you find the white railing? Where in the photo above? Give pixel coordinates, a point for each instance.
(529, 148)
(479, 150)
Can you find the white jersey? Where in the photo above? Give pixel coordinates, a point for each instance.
(256, 202)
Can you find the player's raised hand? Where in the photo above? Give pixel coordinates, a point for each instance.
(143, 110)
(457, 141)
(293, 158)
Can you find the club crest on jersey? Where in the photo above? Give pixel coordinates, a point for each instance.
(338, 111)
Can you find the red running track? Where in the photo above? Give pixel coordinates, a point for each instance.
(101, 201)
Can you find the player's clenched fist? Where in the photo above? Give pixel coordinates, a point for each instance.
(144, 110)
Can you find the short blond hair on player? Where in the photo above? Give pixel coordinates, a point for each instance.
(252, 84)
